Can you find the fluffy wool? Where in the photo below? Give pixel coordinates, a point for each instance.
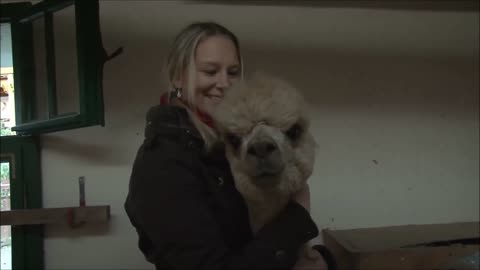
(265, 126)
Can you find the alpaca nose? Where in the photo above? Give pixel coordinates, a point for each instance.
(262, 149)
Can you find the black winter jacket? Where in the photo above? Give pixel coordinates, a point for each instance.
(188, 214)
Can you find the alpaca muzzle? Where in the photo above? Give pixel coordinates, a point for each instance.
(262, 149)
(265, 159)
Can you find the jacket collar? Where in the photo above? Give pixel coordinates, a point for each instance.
(174, 121)
(167, 119)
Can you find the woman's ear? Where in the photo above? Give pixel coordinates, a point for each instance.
(181, 80)
(177, 83)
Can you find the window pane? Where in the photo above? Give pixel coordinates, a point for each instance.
(66, 60)
(41, 93)
(68, 86)
(5, 231)
(6, 81)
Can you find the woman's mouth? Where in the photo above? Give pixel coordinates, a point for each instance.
(214, 98)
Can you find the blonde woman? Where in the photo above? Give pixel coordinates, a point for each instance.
(182, 200)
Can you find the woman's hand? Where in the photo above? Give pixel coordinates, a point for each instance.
(309, 262)
(302, 197)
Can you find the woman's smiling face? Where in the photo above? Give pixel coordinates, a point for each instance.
(217, 67)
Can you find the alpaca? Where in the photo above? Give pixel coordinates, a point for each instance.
(264, 125)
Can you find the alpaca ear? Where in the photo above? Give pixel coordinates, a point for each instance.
(261, 78)
(261, 75)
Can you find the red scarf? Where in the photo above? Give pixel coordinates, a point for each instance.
(204, 117)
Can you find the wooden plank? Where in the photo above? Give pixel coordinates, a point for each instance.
(404, 247)
(416, 258)
(71, 216)
(430, 5)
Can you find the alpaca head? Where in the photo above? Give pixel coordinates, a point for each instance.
(264, 125)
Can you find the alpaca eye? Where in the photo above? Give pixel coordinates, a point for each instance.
(294, 132)
(234, 140)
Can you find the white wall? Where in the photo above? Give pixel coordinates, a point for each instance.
(394, 111)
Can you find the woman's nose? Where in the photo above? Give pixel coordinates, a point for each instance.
(223, 80)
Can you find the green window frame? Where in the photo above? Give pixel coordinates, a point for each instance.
(22, 150)
(91, 57)
(22, 153)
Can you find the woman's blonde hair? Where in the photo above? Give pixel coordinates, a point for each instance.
(180, 65)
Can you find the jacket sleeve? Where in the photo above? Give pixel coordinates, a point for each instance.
(168, 201)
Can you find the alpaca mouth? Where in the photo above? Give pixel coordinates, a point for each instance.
(265, 168)
(267, 179)
(267, 174)
(268, 171)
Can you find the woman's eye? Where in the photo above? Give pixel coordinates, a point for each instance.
(233, 73)
(294, 132)
(210, 72)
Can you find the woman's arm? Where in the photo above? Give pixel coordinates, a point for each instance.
(168, 202)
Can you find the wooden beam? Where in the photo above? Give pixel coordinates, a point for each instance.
(71, 216)
(433, 5)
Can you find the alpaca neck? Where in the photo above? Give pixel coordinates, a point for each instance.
(263, 211)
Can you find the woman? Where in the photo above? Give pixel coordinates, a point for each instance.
(182, 200)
